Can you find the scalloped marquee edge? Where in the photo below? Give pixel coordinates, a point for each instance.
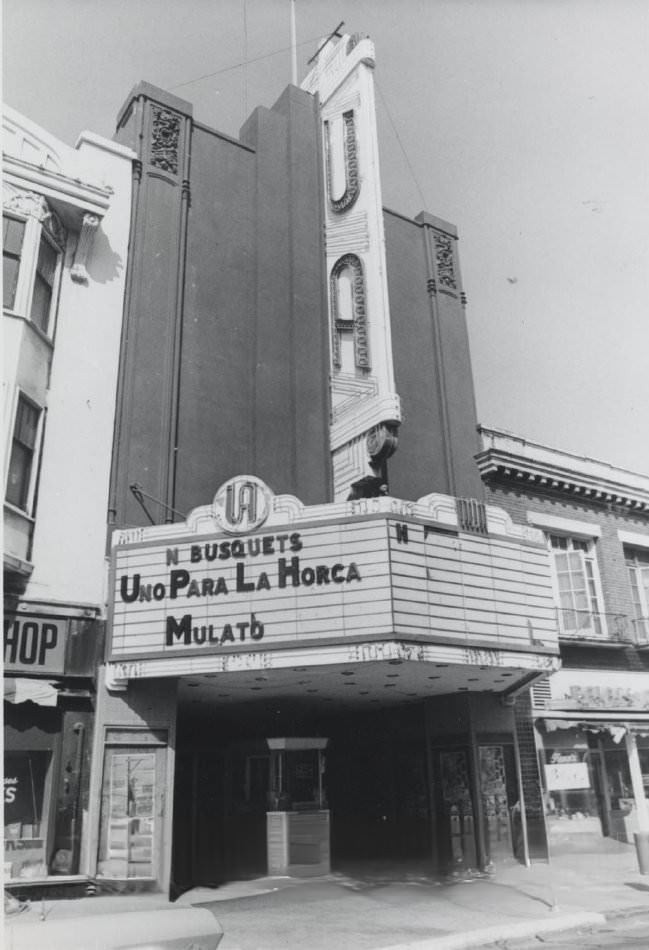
(286, 510)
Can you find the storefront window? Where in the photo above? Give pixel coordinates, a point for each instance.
(570, 779)
(25, 780)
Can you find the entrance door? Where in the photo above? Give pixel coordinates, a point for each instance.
(454, 808)
(199, 855)
(498, 791)
(249, 804)
(132, 815)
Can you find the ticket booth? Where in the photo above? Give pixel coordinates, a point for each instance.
(297, 824)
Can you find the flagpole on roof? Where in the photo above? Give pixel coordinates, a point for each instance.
(293, 46)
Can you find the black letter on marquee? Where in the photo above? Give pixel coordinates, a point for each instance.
(123, 589)
(242, 585)
(402, 533)
(285, 571)
(177, 579)
(179, 630)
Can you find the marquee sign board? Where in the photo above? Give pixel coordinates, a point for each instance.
(209, 587)
(210, 593)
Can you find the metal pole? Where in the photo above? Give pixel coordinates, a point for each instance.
(293, 46)
(636, 781)
(521, 795)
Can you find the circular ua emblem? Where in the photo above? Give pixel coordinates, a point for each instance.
(242, 504)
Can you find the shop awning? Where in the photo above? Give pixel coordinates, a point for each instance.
(615, 725)
(21, 690)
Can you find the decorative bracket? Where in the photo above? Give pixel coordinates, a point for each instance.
(79, 271)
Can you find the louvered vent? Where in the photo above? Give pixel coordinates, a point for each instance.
(541, 694)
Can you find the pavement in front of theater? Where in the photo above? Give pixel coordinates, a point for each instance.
(393, 907)
(388, 906)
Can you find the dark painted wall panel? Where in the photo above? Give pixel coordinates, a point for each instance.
(418, 467)
(310, 364)
(291, 380)
(438, 438)
(253, 353)
(273, 404)
(145, 413)
(218, 327)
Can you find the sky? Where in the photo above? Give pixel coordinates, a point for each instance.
(523, 122)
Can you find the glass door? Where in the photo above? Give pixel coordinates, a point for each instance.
(500, 805)
(132, 814)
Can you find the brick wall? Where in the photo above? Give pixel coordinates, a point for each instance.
(610, 552)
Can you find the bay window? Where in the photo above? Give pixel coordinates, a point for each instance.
(20, 477)
(13, 232)
(32, 249)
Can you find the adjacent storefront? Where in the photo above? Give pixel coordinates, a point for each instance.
(594, 755)
(50, 659)
(289, 671)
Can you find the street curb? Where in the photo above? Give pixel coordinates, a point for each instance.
(488, 935)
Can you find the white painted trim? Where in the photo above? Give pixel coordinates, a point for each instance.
(571, 526)
(118, 674)
(634, 539)
(108, 145)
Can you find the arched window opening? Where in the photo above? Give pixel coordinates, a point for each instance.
(349, 315)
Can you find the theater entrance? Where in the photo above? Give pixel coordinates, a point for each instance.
(357, 778)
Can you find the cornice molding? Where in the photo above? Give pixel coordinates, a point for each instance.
(534, 466)
(77, 195)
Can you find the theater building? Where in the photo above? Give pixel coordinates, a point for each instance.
(318, 628)
(66, 218)
(592, 716)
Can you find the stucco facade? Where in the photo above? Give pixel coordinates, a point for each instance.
(66, 216)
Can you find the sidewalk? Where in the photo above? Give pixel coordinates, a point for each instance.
(393, 909)
(390, 907)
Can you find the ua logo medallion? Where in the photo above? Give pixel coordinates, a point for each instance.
(242, 504)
